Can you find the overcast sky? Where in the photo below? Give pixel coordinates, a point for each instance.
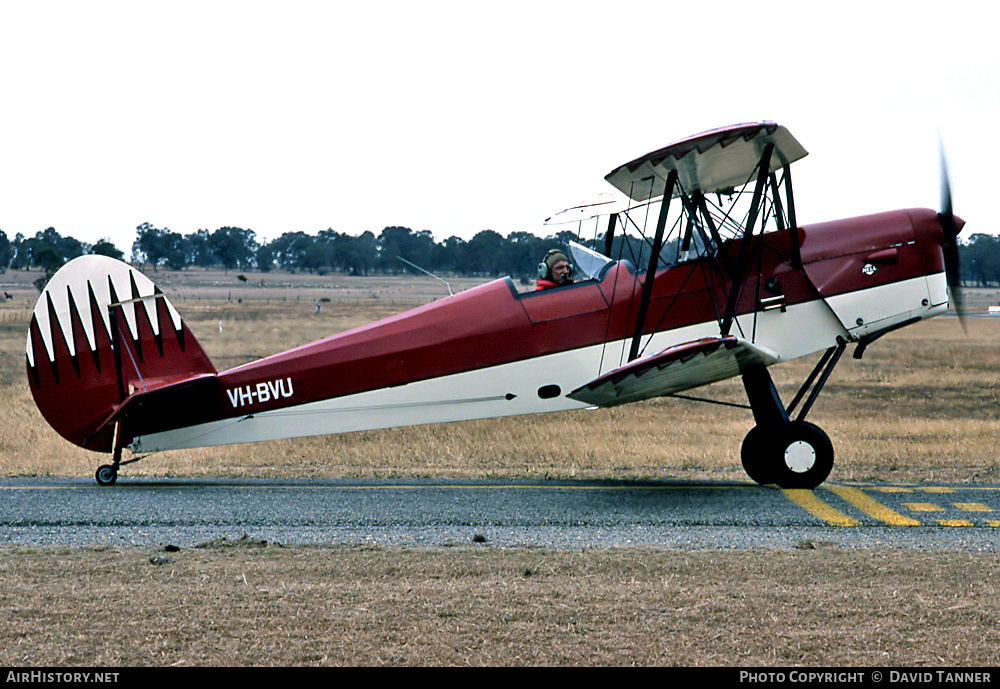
(456, 117)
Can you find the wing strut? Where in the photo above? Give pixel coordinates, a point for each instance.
(744, 259)
(793, 228)
(699, 200)
(779, 213)
(654, 259)
(609, 236)
(825, 365)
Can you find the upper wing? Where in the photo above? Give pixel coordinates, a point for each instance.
(672, 370)
(712, 161)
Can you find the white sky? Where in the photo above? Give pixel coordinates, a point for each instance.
(457, 117)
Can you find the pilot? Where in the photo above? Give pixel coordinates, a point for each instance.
(554, 270)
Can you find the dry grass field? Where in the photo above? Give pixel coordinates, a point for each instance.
(233, 604)
(921, 406)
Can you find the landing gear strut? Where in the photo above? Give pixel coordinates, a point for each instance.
(107, 474)
(791, 453)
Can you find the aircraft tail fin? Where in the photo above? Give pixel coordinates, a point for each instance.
(100, 332)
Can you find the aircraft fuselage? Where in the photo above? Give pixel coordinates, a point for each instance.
(491, 351)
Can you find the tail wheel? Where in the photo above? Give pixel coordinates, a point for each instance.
(106, 475)
(803, 455)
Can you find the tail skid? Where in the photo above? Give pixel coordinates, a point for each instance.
(100, 334)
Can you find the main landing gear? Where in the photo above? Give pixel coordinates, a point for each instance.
(791, 453)
(796, 454)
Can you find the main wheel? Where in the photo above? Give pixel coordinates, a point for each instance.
(803, 454)
(106, 475)
(758, 460)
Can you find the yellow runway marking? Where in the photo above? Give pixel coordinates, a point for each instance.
(954, 522)
(872, 507)
(923, 507)
(972, 507)
(808, 501)
(938, 489)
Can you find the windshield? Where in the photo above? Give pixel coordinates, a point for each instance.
(588, 261)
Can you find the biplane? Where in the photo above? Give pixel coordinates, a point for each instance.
(731, 284)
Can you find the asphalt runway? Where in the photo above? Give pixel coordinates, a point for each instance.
(549, 514)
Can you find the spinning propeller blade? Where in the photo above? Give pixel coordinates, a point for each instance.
(950, 244)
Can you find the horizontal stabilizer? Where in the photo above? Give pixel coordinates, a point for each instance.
(675, 369)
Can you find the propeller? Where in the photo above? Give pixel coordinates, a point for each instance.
(950, 244)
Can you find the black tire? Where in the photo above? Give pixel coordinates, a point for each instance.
(758, 460)
(106, 475)
(803, 455)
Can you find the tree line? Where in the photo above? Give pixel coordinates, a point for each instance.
(979, 258)
(394, 250)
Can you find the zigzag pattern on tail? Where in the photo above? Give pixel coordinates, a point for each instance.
(100, 332)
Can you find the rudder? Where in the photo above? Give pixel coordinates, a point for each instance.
(100, 331)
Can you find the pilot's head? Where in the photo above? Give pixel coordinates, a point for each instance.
(556, 268)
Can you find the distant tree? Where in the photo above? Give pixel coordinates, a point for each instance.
(234, 247)
(6, 252)
(290, 250)
(564, 237)
(70, 248)
(104, 247)
(481, 255)
(316, 258)
(264, 257)
(521, 253)
(150, 245)
(67, 247)
(450, 255)
(21, 259)
(49, 259)
(401, 242)
(47, 250)
(979, 258)
(359, 255)
(198, 250)
(330, 245)
(174, 254)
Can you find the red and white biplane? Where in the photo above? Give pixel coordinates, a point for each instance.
(730, 288)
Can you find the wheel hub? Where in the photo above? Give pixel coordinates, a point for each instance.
(800, 456)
